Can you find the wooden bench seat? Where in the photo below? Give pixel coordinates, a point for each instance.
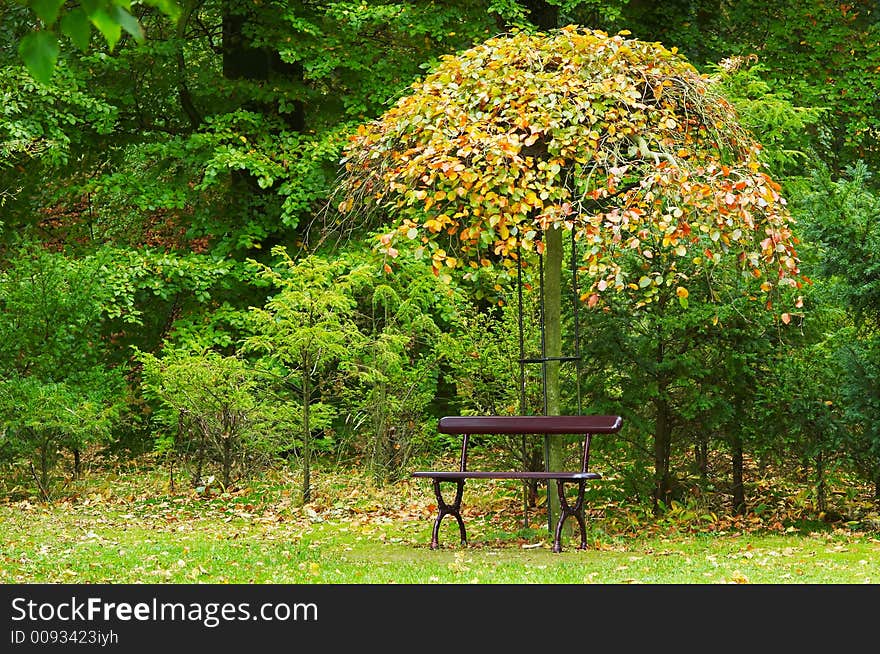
(509, 474)
(547, 425)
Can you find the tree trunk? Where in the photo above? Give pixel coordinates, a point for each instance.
(241, 60)
(543, 15)
(201, 453)
(227, 455)
(77, 463)
(662, 449)
(183, 92)
(383, 446)
(877, 486)
(534, 461)
(821, 495)
(45, 464)
(307, 432)
(555, 447)
(739, 489)
(701, 455)
(44, 469)
(227, 463)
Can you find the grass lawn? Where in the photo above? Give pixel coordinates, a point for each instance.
(128, 528)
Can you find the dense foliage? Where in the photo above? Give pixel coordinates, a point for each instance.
(620, 140)
(175, 274)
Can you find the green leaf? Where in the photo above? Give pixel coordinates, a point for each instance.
(47, 10)
(75, 26)
(108, 26)
(39, 50)
(683, 301)
(91, 6)
(130, 24)
(168, 7)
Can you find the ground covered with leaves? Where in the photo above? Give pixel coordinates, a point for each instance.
(126, 525)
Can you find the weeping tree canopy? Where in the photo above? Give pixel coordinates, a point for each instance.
(620, 140)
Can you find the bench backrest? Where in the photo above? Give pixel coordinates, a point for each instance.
(586, 425)
(530, 424)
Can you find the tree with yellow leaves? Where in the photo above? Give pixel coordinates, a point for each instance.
(504, 146)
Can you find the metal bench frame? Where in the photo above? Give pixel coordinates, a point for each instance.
(547, 425)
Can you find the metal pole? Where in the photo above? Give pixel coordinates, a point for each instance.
(543, 343)
(522, 378)
(577, 332)
(577, 347)
(544, 385)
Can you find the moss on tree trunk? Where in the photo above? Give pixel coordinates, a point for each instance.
(553, 254)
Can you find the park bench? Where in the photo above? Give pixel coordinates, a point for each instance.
(525, 425)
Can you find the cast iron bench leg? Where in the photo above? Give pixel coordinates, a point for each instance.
(566, 510)
(448, 509)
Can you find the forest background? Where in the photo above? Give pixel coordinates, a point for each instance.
(177, 287)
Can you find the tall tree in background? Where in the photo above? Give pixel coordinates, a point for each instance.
(218, 135)
(57, 388)
(307, 331)
(843, 216)
(826, 54)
